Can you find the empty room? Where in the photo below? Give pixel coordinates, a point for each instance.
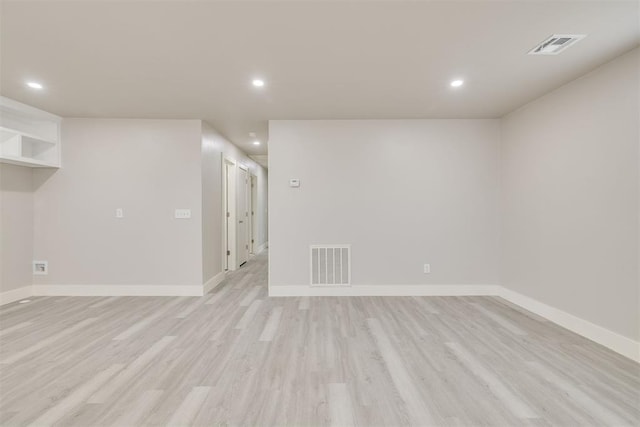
(319, 213)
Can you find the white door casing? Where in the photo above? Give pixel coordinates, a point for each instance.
(253, 237)
(243, 219)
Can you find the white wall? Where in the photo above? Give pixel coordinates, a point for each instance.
(402, 192)
(146, 167)
(214, 147)
(16, 227)
(570, 197)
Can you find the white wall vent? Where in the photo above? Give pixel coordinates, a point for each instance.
(330, 265)
(556, 44)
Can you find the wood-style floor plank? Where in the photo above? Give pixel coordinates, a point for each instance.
(189, 408)
(238, 357)
(46, 342)
(75, 398)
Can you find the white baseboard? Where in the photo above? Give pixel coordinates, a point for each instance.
(15, 295)
(128, 290)
(612, 340)
(213, 282)
(117, 290)
(381, 290)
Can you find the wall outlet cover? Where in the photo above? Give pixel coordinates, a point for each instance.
(183, 214)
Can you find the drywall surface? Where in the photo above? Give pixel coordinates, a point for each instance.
(214, 148)
(16, 227)
(570, 197)
(148, 168)
(402, 192)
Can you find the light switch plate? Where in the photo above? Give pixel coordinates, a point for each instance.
(183, 214)
(294, 183)
(119, 213)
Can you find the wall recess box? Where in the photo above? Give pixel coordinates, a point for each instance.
(40, 268)
(28, 136)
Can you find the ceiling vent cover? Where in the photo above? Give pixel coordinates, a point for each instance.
(330, 265)
(556, 44)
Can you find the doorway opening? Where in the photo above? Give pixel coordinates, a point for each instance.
(243, 225)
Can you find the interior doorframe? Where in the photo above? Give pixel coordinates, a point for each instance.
(229, 217)
(253, 206)
(246, 217)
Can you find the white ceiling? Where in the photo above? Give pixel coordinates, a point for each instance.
(261, 159)
(320, 59)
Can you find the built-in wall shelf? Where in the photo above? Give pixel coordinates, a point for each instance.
(28, 136)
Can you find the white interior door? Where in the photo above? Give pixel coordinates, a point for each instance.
(243, 215)
(229, 214)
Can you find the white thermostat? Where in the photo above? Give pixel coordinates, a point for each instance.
(294, 183)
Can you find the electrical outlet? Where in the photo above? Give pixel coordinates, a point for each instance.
(427, 268)
(119, 213)
(183, 214)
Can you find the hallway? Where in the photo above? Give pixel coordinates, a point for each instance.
(237, 357)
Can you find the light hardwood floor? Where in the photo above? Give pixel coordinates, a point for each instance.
(237, 357)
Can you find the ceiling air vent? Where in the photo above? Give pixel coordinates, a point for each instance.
(556, 44)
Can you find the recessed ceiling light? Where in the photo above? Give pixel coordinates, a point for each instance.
(24, 301)
(258, 82)
(34, 85)
(256, 142)
(456, 83)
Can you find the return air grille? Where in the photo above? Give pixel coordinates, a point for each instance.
(556, 44)
(330, 265)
